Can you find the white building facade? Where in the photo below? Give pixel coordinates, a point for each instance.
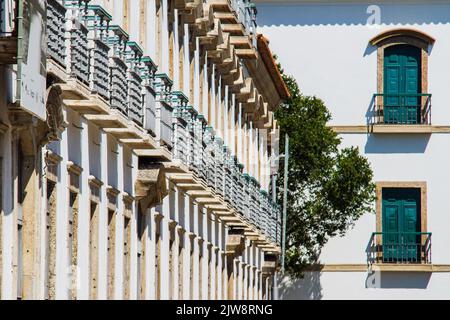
(381, 67)
(148, 175)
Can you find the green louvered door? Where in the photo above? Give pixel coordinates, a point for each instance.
(402, 74)
(401, 224)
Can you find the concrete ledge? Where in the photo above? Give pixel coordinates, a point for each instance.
(383, 267)
(385, 128)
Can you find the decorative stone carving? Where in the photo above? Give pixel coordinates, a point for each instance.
(150, 186)
(270, 263)
(55, 117)
(235, 242)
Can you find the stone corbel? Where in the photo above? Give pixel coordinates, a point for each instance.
(55, 118)
(270, 264)
(235, 242)
(150, 186)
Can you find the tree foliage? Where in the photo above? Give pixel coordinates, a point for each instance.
(329, 187)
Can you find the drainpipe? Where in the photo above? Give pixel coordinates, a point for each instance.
(20, 49)
(275, 275)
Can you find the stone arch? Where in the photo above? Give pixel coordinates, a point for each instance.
(400, 36)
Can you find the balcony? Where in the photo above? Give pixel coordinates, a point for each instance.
(8, 32)
(399, 248)
(401, 109)
(98, 58)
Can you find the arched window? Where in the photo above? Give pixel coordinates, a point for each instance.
(402, 85)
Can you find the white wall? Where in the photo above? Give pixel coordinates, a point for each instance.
(333, 60)
(361, 285)
(332, 57)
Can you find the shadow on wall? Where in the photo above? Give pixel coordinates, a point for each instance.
(396, 143)
(351, 14)
(398, 280)
(308, 288)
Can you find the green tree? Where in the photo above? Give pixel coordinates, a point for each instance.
(329, 187)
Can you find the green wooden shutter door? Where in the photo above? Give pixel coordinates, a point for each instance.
(401, 222)
(391, 208)
(409, 240)
(402, 76)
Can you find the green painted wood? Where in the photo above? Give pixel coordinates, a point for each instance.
(401, 224)
(402, 74)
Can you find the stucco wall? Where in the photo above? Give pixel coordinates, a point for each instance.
(361, 285)
(333, 60)
(332, 57)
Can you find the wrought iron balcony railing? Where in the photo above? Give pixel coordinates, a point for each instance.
(100, 56)
(401, 109)
(399, 247)
(56, 28)
(246, 14)
(8, 18)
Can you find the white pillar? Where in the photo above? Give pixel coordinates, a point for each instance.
(205, 259)
(241, 136)
(220, 276)
(103, 218)
(176, 52)
(196, 259)
(197, 74)
(62, 205)
(232, 132)
(205, 88)
(118, 270)
(151, 28)
(165, 250)
(187, 249)
(220, 108)
(134, 239)
(164, 38)
(225, 118)
(150, 248)
(84, 215)
(9, 224)
(213, 98)
(186, 61)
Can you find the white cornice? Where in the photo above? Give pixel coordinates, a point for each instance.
(284, 2)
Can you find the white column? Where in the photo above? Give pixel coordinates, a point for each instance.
(251, 149)
(196, 259)
(176, 52)
(62, 205)
(118, 258)
(197, 74)
(205, 87)
(175, 267)
(240, 134)
(251, 270)
(103, 218)
(220, 108)
(134, 239)
(165, 250)
(187, 249)
(84, 215)
(213, 98)
(176, 245)
(150, 248)
(151, 28)
(186, 61)
(219, 262)
(233, 126)
(239, 280)
(225, 118)
(213, 268)
(245, 280)
(165, 38)
(205, 259)
(9, 224)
